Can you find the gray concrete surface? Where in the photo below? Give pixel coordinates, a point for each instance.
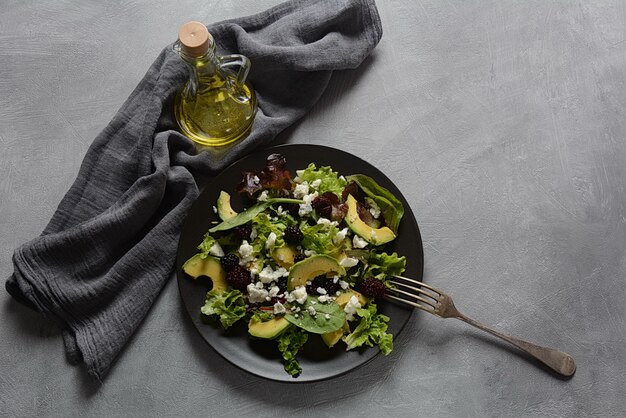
(503, 123)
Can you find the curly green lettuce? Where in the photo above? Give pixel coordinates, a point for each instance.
(229, 307)
(372, 330)
(383, 265)
(289, 344)
(330, 181)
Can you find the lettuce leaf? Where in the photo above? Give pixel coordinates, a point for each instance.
(383, 265)
(205, 245)
(319, 238)
(330, 180)
(229, 307)
(289, 344)
(372, 330)
(264, 226)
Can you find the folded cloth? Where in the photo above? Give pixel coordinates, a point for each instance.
(111, 245)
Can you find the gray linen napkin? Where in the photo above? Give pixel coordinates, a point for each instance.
(111, 245)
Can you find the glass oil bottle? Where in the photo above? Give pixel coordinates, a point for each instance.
(216, 106)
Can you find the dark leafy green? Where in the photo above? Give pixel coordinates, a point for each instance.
(317, 323)
(247, 215)
(390, 207)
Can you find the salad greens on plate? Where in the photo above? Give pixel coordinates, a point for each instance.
(305, 257)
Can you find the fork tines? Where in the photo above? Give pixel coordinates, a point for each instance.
(414, 293)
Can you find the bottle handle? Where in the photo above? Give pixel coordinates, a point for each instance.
(235, 86)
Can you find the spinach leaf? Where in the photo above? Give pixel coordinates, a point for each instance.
(313, 317)
(249, 214)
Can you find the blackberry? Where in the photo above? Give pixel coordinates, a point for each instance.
(298, 257)
(325, 283)
(323, 206)
(282, 284)
(293, 209)
(244, 232)
(372, 287)
(230, 261)
(293, 235)
(239, 278)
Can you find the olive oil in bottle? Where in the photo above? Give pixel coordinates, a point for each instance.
(216, 106)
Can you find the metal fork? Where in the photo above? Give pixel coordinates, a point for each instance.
(427, 298)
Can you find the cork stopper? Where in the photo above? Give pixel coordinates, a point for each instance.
(195, 38)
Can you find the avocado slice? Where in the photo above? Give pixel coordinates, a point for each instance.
(284, 256)
(343, 299)
(268, 329)
(332, 338)
(310, 268)
(224, 210)
(210, 266)
(375, 236)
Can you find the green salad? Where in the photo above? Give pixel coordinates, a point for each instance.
(306, 257)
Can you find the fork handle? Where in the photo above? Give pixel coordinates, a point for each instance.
(560, 362)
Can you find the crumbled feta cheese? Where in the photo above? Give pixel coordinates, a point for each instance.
(358, 242)
(323, 221)
(312, 311)
(256, 294)
(306, 207)
(301, 190)
(271, 240)
(351, 307)
(309, 253)
(216, 250)
(349, 262)
(256, 180)
(214, 209)
(253, 234)
(321, 290)
(324, 298)
(274, 290)
(327, 316)
(280, 211)
(296, 316)
(263, 196)
(298, 295)
(344, 285)
(245, 253)
(335, 279)
(268, 275)
(313, 302)
(315, 184)
(340, 236)
(375, 211)
(279, 308)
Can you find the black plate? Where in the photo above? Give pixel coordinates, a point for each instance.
(262, 358)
